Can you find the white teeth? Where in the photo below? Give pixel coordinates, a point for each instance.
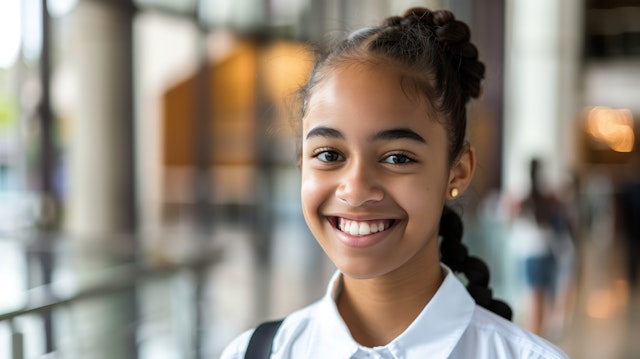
(356, 228)
(364, 229)
(353, 228)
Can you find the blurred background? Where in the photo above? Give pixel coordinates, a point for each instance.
(149, 194)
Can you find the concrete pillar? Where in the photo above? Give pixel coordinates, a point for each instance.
(100, 203)
(540, 96)
(101, 177)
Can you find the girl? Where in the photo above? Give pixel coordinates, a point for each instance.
(383, 150)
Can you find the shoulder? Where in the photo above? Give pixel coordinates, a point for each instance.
(500, 338)
(291, 326)
(237, 348)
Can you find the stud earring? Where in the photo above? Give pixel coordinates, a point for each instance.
(454, 192)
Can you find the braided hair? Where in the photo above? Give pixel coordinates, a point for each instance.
(436, 60)
(455, 254)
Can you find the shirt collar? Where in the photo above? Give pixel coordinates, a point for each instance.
(331, 324)
(440, 325)
(434, 333)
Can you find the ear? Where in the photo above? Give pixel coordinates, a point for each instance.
(461, 171)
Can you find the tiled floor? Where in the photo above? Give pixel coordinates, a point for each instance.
(606, 316)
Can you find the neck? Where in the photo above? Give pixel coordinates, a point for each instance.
(379, 309)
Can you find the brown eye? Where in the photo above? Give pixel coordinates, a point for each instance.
(398, 159)
(329, 156)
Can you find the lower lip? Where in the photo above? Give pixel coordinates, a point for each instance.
(369, 240)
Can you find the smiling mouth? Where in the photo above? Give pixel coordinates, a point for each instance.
(362, 228)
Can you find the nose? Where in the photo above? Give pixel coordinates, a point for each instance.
(359, 185)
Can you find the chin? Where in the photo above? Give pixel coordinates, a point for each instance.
(360, 271)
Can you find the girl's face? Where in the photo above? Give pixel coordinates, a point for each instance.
(375, 173)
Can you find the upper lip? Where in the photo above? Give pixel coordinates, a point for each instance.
(362, 217)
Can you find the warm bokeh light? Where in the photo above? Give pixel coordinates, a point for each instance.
(613, 127)
(287, 65)
(600, 304)
(603, 303)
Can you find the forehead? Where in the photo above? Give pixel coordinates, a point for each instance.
(369, 94)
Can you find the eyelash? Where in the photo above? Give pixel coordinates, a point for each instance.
(405, 156)
(320, 151)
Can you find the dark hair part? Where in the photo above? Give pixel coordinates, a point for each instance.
(435, 60)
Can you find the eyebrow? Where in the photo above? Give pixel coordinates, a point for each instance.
(385, 135)
(398, 134)
(324, 132)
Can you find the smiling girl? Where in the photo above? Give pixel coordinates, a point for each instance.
(383, 150)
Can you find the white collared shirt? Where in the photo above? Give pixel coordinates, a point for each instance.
(450, 326)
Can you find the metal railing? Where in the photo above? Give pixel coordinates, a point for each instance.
(44, 299)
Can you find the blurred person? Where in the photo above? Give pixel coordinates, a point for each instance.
(543, 235)
(630, 216)
(566, 247)
(383, 151)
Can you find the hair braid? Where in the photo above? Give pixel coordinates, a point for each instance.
(455, 254)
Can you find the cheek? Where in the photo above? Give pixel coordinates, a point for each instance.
(312, 194)
(422, 200)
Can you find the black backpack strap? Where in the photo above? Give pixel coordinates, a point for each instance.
(262, 339)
